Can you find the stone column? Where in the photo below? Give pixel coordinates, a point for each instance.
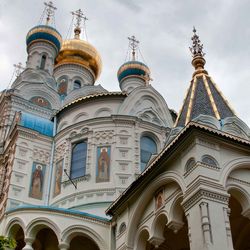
(29, 242)
(63, 246)
(207, 222)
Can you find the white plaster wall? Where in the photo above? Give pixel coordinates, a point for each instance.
(123, 135)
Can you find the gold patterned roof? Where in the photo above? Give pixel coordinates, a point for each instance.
(76, 51)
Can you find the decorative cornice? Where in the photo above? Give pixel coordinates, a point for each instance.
(19, 102)
(31, 134)
(59, 211)
(114, 119)
(239, 181)
(200, 164)
(92, 191)
(203, 194)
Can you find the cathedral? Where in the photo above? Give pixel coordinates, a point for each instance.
(82, 167)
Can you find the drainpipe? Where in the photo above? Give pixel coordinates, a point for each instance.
(51, 164)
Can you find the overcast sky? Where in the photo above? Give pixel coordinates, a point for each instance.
(164, 28)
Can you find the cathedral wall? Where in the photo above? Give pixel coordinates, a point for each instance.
(29, 179)
(120, 135)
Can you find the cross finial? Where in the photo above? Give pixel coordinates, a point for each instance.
(133, 44)
(50, 11)
(197, 47)
(18, 68)
(80, 17)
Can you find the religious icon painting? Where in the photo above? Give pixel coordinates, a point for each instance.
(103, 164)
(58, 178)
(159, 199)
(37, 181)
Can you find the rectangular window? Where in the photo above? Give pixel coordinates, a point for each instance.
(78, 160)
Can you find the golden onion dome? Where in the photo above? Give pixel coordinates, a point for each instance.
(76, 51)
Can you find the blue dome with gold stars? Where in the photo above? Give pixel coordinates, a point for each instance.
(133, 69)
(44, 33)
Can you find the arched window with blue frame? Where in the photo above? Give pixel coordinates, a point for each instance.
(148, 148)
(78, 160)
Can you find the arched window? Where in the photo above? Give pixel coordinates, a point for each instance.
(190, 164)
(43, 61)
(122, 228)
(148, 148)
(78, 160)
(209, 160)
(77, 84)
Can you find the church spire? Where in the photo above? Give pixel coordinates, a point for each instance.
(203, 96)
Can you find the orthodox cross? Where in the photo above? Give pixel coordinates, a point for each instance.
(79, 18)
(133, 44)
(50, 11)
(197, 47)
(18, 69)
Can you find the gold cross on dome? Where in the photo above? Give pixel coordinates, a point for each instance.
(50, 10)
(133, 44)
(79, 17)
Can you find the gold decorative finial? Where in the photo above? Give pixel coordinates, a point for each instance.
(50, 11)
(198, 55)
(18, 69)
(197, 47)
(133, 44)
(80, 17)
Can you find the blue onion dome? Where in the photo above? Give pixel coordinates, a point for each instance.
(44, 33)
(133, 69)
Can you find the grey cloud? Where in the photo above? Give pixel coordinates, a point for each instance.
(164, 29)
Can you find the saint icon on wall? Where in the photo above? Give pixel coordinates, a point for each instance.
(103, 164)
(37, 181)
(58, 178)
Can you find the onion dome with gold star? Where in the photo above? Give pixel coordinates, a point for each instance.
(203, 97)
(80, 52)
(45, 33)
(133, 68)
